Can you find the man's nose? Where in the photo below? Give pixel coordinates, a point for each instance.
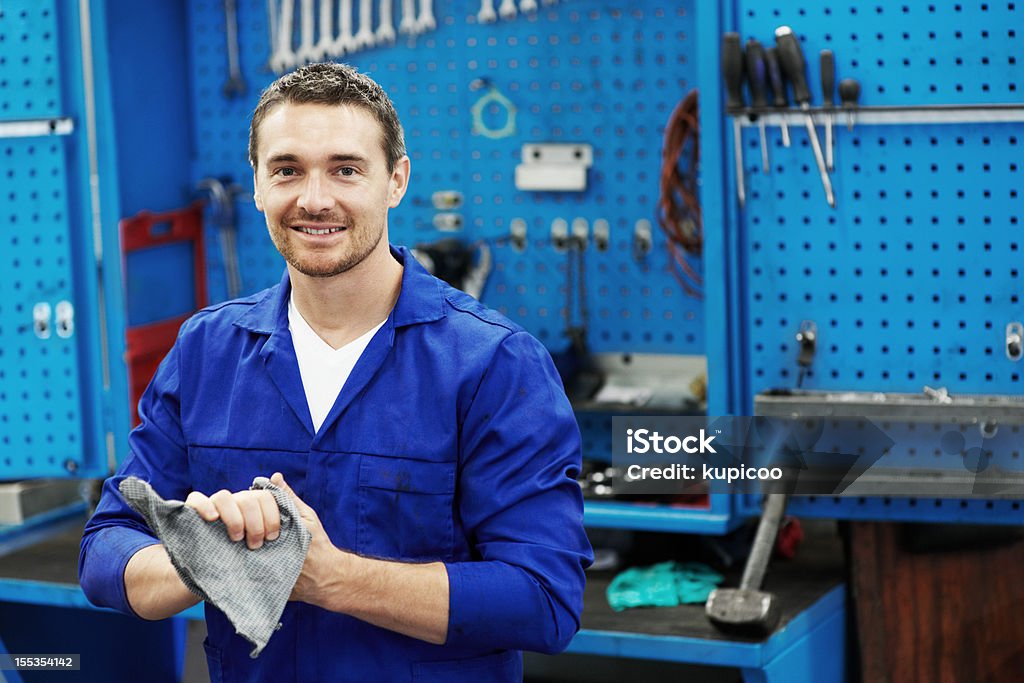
(315, 198)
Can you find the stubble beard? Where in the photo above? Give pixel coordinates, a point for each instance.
(362, 242)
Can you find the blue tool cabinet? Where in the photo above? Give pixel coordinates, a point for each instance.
(912, 280)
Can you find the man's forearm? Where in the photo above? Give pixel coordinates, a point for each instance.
(153, 587)
(411, 599)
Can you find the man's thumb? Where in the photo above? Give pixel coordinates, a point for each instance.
(277, 479)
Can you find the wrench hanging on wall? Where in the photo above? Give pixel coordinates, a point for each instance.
(326, 35)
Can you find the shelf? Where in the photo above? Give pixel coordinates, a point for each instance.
(614, 514)
(937, 407)
(812, 598)
(975, 113)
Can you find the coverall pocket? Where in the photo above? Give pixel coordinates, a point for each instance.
(405, 508)
(501, 667)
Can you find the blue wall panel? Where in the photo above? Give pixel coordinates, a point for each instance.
(604, 74)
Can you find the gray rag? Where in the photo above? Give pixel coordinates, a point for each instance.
(251, 587)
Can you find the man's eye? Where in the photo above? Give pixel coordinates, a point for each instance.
(348, 171)
(286, 171)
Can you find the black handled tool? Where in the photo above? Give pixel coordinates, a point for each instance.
(791, 57)
(779, 99)
(757, 81)
(828, 101)
(732, 72)
(849, 93)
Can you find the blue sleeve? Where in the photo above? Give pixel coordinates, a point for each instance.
(521, 508)
(157, 454)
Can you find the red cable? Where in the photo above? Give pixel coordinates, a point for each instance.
(679, 212)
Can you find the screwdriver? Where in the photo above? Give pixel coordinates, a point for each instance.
(732, 71)
(757, 82)
(828, 88)
(791, 57)
(849, 93)
(779, 101)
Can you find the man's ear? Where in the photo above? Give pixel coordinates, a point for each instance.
(256, 193)
(399, 182)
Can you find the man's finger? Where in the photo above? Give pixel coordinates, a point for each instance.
(229, 514)
(271, 516)
(201, 504)
(252, 516)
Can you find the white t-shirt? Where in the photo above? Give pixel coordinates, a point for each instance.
(323, 369)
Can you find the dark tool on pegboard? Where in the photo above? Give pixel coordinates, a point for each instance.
(807, 339)
(757, 81)
(778, 85)
(732, 72)
(222, 196)
(748, 610)
(791, 57)
(828, 101)
(849, 93)
(235, 85)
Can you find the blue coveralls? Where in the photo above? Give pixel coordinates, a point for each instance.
(452, 440)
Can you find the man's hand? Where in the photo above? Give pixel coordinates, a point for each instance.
(321, 558)
(252, 515)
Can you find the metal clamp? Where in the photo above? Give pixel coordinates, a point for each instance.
(1014, 341)
(65, 319)
(807, 338)
(41, 319)
(518, 237)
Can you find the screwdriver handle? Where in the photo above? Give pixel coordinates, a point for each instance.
(849, 92)
(732, 70)
(794, 66)
(771, 59)
(757, 76)
(828, 78)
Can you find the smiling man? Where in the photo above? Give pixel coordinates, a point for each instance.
(426, 439)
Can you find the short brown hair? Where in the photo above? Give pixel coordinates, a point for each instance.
(333, 84)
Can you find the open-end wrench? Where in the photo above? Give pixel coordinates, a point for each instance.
(426, 20)
(386, 27)
(326, 41)
(486, 14)
(283, 57)
(408, 23)
(235, 85)
(272, 25)
(345, 43)
(364, 36)
(507, 10)
(307, 25)
(527, 6)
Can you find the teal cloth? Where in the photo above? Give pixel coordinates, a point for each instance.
(667, 584)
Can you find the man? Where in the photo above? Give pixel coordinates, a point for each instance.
(427, 440)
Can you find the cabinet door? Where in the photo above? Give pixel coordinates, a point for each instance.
(41, 391)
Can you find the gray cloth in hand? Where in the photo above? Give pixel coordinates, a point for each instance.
(251, 587)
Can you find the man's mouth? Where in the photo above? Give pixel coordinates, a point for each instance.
(317, 231)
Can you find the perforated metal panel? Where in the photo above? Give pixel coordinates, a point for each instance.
(40, 414)
(912, 280)
(607, 75)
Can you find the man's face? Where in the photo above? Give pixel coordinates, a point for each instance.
(323, 184)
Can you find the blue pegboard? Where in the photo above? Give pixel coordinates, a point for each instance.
(607, 75)
(41, 421)
(912, 280)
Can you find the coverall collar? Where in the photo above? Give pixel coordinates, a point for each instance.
(420, 300)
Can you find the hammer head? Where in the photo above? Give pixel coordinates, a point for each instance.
(743, 611)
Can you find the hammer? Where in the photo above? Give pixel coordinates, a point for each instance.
(747, 610)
